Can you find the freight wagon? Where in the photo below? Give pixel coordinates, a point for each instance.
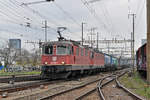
(141, 59)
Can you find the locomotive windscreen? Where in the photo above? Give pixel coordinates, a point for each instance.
(63, 50)
(48, 50)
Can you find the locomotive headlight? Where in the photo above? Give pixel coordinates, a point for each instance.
(62, 62)
(46, 63)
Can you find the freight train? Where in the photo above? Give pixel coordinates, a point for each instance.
(141, 59)
(65, 58)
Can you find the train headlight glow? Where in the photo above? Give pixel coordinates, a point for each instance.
(62, 62)
(46, 63)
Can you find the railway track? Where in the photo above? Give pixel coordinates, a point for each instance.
(25, 86)
(113, 90)
(62, 91)
(65, 94)
(21, 78)
(103, 91)
(93, 94)
(76, 93)
(96, 91)
(50, 86)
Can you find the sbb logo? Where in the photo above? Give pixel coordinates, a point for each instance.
(54, 58)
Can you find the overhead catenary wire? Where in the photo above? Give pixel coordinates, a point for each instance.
(111, 22)
(8, 9)
(138, 6)
(107, 18)
(66, 13)
(139, 15)
(105, 12)
(17, 5)
(94, 14)
(42, 16)
(15, 11)
(17, 20)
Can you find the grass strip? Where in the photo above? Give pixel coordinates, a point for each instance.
(136, 84)
(2, 73)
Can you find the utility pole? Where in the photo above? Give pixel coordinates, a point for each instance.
(91, 36)
(92, 33)
(148, 41)
(82, 32)
(133, 40)
(131, 45)
(97, 40)
(45, 27)
(108, 48)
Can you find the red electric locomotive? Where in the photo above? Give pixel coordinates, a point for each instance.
(64, 58)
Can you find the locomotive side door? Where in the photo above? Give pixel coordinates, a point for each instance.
(91, 58)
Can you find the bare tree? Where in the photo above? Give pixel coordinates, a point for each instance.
(35, 59)
(9, 55)
(24, 59)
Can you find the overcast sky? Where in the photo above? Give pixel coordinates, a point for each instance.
(110, 17)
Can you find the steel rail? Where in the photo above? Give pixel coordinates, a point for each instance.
(100, 86)
(90, 91)
(25, 86)
(68, 90)
(22, 78)
(127, 90)
(96, 88)
(85, 94)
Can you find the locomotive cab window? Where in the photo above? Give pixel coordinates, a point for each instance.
(64, 50)
(61, 50)
(48, 50)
